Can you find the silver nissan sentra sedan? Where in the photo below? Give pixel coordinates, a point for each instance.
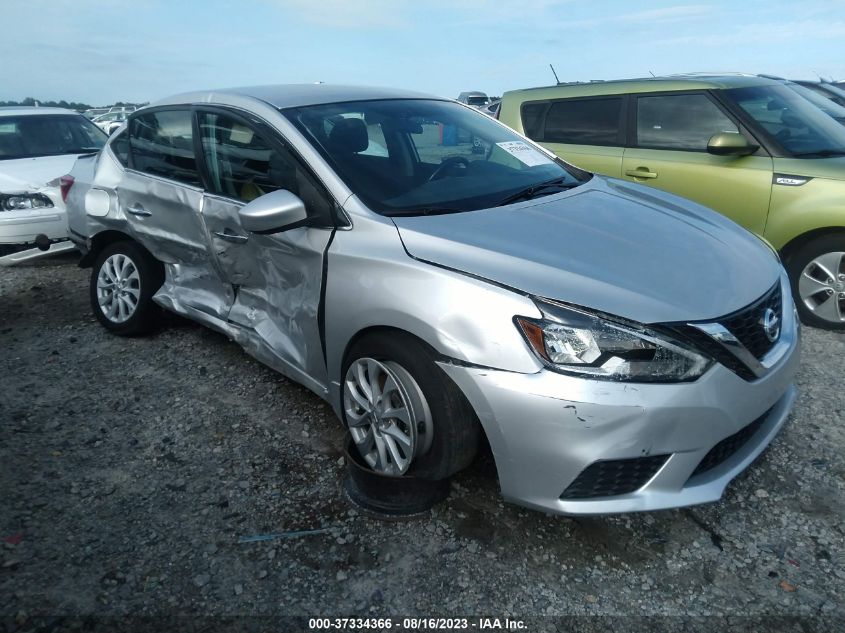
(437, 277)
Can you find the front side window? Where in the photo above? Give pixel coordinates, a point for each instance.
(409, 156)
(679, 122)
(162, 144)
(791, 121)
(30, 136)
(243, 166)
(584, 121)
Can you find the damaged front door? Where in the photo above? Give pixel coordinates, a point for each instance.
(276, 279)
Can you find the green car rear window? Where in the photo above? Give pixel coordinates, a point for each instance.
(576, 121)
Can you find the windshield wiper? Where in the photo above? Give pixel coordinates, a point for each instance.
(824, 153)
(537, 190)
(424, 211)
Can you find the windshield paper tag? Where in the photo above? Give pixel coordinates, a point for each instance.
(524, 153)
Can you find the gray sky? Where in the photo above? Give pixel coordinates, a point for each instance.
(101, 51)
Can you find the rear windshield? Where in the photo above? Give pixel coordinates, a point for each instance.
(477, 101)
(30, 136)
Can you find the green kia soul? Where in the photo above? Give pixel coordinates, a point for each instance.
(748, 147)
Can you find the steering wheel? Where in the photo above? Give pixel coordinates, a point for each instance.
(446, 165)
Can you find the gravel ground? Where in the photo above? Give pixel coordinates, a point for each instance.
(131, 467)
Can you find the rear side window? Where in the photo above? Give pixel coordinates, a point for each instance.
(162, 144)
(532, 119)
(680, 122)
(120, 148)
(584, 121)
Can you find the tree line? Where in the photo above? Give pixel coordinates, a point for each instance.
(70, 105)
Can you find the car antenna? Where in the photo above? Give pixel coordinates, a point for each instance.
(652, 74)
(555, 74)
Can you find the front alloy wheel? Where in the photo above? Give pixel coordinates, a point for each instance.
(387, 414)
(821, 287)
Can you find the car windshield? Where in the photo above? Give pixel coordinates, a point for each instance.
(408, 156)
(794, 123)
(825, 105)
(477, 101)
(30, 136)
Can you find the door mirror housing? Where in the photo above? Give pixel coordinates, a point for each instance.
(730, 144)
(274, 212)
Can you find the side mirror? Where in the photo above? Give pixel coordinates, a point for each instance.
(274, 212)
(730, 144)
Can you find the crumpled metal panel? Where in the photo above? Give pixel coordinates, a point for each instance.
(196, 287)
(172, 231)
(278, 279)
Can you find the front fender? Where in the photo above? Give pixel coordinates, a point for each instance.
(796, 210)
(372, 282)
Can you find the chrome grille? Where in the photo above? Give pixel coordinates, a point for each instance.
(746, 326)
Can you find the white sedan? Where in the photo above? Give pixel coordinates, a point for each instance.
(38, 146)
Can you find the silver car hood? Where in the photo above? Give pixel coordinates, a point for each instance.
(607, 245)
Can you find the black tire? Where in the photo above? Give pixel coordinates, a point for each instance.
(150, 277)
(798, 260)
(456, 429)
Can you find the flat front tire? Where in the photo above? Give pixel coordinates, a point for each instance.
(405, 415)
(123, 280)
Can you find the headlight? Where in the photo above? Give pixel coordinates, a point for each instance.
(574, 342)
(22, 201)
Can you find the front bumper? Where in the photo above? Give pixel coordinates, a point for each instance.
(22, 227)
(545, 429)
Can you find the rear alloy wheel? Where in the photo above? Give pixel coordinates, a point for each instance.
(388, 416)
(118, 288)
(817, 271)
(124, 279)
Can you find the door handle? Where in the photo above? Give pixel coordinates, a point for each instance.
(137, 209)
(231, 237)
(641, 172)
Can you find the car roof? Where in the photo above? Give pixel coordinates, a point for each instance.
(691, 81)
(27, 110)
(297, 95)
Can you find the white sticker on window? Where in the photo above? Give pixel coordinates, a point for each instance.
(524, 153)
